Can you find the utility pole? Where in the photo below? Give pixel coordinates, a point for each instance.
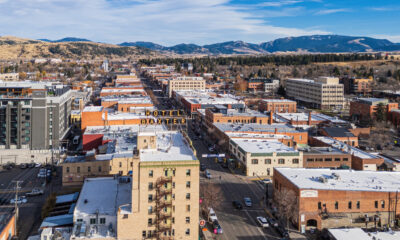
(16, 205)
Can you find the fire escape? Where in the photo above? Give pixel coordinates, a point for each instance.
(163, 209)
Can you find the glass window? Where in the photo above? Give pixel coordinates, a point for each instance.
(295, 160)
(93, 221)
(102, 221)
(188, 172)
(187, 219)
(376, 204)
(254, 161)
(336, 205)
(350, 205)
(319, 205)
(188, 184)
(187, 232)
(267, 161)
(187, 196)
(150, 197)
(281, 161)
(150, 186)
(151, 173)
(358, 204)
(383, 203)
(88, 169)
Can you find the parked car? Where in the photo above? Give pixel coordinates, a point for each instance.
(266, 181)
(262, 221)
(23, 166)
(3, 201)
(31, 165)
(208, 174)
(237, 204)
(38, 165)
(247, 202)
(282, 231)
(211, 149)
(216, 227)
(203, 167)
(273, 222)
(35, 192)
(211, 215)
(20, 200)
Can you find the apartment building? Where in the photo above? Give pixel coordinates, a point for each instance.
(9, 76)
(322, 93)
(358, 86)
(185, 83)
(259, 157)
(271, 86)
(328, 198)
(159, 197)
(277, 105)
(33, 115)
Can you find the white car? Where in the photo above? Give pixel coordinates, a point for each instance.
(38, 165)
(20, 200)
(266, 181)
(247, 202)
(262, 221)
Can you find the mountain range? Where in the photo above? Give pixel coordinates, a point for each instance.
(312, 44)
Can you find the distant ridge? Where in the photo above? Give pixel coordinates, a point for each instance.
(67, 39)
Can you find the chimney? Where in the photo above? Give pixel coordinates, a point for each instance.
(106, 115)
(309, 119)
(276, 131)
(271, 117)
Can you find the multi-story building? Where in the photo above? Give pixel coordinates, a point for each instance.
(341, 134)
(323, 93)
(127, 103)
(325, 157)
(365, 108)
(307, 120)
(160, 197)
(271, 86)
(33, 115)
(9, 77)
(327, 198)
(221, 114)
(120, 91)
(185, 83)
(277, 105)
(259, 156)
(359, 86)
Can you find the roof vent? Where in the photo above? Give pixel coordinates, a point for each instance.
(85, 201)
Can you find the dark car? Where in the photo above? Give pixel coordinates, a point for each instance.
(237, 204)
(273, 222)
(202, 167)
(216, 227)
(3, 201)
(283, 232)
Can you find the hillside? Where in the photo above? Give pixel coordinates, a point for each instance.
(13, 48)
(312, 44)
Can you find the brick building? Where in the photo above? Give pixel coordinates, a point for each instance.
(119, 91)
(128, 103)
(359, 86)
(277, 105)
(341, 134)
(325, 157)
(221, 114)
(339, 198)
(365, 108)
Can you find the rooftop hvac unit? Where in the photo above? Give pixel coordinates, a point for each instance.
(323, 179)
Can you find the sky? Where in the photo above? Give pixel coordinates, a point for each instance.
(171, 22)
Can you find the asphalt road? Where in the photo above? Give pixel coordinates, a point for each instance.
(236, 224)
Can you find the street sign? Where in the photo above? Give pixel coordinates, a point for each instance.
(202, 223)
(213, 155)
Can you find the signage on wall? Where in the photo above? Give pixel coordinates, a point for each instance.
(308, 193)
(164, 117)
(165, 113)
(163, 121)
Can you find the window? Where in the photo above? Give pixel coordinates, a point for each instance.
(187, 232)
(187, 219)
(67, 169)
(281, 161)
(131, 164)
(166, 173)
(254, 161)
(78, 169)
(267, 161)
(151, 173)
(150, 197)
(150, 210)
(358, 204)
(149, 221)
(295, 160)
(120, 164)
(188, 172)
(93, 221)
(187, 196)
(188, 184)
(99, 169)
(319, 205)
(345, 159)
(350, 205)
(187, 208)
(102, 220)
(150, 186)
(376, 204)
(328, 159)
(383, 203)
(173, 184)
(337, 159)
(79, 220)
(144, 234)
(310, 159)
(336, 205)
(89, 169)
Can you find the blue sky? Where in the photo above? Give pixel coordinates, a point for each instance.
(170, 22)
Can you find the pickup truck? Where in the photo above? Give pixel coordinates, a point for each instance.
(35, 192)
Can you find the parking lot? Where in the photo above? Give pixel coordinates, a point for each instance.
(29, 212)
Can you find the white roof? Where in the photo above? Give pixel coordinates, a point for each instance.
(254, 127)
(277, 100)
(104, 194)
(359, 234)
(285, 117)
(256, 135)
(262, 146)
(171, 146)
(347, 148)
(349, 180)
(122, 90)
(93, 109)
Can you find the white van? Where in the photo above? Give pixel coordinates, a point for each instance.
(211, 215)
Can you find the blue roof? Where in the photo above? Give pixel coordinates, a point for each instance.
(56, 221)
(67, 198)
(72, 208)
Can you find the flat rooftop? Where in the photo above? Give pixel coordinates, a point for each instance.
(171, 146)
(255, 127)
(278, 101)
(286, 117)
(347, 180)
(257, 136)
(373, 101)
(93, 109)
(322, 150)
(359, 234)
(263, 146)
(347, 148)
(103, 195)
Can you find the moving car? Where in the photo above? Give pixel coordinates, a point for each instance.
(35, 192)
(211, 215)
(237, 204)
(266, 180)
(208, 174)
(247, 202)
(273, 222)
(262, 221)
(20, 200)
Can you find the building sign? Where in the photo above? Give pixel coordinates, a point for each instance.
(308, 193)
(163, 121)
(165, 113)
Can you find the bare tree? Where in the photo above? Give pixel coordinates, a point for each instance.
(211, 195)
(287, 204)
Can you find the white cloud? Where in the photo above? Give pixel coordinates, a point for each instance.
(161, 21)
(331, 11)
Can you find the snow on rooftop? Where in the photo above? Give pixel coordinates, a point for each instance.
(346, 148)
(93, 109)
(277, 100)
(359, 234)
(103, 195)
(171, 146)
(254, 127)
(262, 146)
(256, 135)
(347, 180)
